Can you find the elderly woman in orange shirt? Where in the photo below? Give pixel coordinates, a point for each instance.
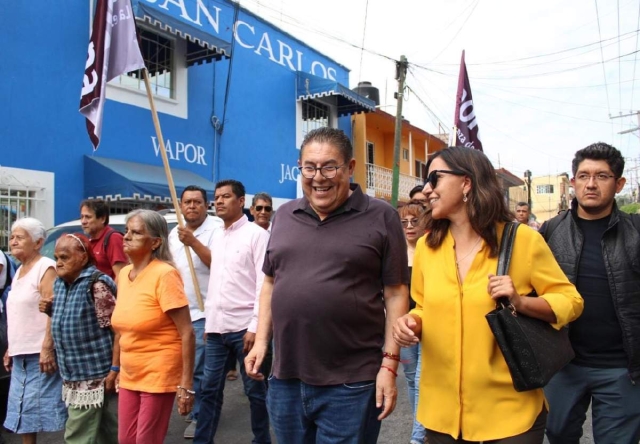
(156, 336)
(466, 390)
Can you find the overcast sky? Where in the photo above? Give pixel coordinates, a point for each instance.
(534, 108)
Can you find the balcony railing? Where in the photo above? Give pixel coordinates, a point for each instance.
(379, 181)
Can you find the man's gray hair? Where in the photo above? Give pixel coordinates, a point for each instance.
(261, 196)
(33, 226)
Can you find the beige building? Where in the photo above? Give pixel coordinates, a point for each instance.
(550, 194)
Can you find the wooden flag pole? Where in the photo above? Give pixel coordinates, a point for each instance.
(172, 187)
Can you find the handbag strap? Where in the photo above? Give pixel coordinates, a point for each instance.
(504, 259)
(506, 248)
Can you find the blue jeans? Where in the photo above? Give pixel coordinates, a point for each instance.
(198, 367)
(411, 364)
(615, 405)
(334, 414)
(218, 348)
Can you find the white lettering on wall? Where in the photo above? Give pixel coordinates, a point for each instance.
(265, 43)
(288, 172)
(236, 35)
(181, 151)
(313, 69)
(207, 17)
(203, 8)
(286, 54)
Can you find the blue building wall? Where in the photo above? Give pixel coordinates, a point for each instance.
(43, 48)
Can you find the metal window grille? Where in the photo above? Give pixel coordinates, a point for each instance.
(544, 189)
(14, 204)
(314, 115)
(159, 54)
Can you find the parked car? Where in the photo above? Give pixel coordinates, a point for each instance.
(116, 221)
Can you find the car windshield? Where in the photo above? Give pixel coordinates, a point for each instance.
(54, 234)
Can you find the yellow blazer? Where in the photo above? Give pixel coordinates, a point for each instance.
(465, 385)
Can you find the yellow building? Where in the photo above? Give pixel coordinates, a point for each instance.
(550, 194)
(373, 141)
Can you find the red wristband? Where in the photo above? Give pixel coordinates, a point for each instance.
(390, 356)
(390, 369)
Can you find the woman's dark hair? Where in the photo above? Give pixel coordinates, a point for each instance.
(486, 205)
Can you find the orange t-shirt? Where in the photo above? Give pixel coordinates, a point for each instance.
(150, 346)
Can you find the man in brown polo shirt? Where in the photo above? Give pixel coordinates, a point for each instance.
(330, 256)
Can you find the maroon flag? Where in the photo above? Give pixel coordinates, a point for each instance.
(465, 121)
(113, 51)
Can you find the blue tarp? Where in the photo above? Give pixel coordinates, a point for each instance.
(210, 46)
(118, 179)
(347, 101)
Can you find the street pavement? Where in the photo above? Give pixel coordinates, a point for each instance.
(235, 427)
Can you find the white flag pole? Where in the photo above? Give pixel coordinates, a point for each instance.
(172, 188)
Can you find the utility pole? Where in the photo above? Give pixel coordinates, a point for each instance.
(634, 185)
(527, 175)
(401, 75)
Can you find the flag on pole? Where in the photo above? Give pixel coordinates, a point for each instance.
(113, 51)
(465, 121)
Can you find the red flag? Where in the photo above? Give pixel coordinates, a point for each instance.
(113, 51)
(465, 121)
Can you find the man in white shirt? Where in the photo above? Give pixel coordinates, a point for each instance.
(197, 235)
(237, 254)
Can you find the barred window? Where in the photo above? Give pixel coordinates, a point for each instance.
(159, 55)
(314, 115)
(544, 189)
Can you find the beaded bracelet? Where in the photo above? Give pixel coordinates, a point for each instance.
(115, 368)
(190, 392)
(390, 369)
(391, 356)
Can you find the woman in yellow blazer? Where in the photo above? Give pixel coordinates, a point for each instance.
(466, 391)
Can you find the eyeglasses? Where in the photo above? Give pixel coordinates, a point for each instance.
(328, 172)
(266, 208)
(405, 222)
(600, 177)
(432, 178)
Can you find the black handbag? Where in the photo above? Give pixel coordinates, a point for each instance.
(533, 349)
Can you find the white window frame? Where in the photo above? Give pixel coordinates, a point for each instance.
(177, 106)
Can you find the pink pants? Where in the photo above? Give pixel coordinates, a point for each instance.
(143, 418)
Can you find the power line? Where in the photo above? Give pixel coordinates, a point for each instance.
(457, 32)
(619, 72)
(562, 51)
(602, 58)
(635, 59)
(436, 120)
(364, 33)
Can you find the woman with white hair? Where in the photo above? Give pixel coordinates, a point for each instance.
(35, 404)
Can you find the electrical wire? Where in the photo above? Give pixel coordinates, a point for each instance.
(364, 33)
(473, 8)
(562, 51)
(635, 59)
(619, 61)
(604, 73)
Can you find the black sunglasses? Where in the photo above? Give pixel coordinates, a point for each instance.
(432, 178)
(266, 208)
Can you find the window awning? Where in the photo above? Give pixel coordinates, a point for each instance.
(348, 102)
(202, 46)
(112, 179)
